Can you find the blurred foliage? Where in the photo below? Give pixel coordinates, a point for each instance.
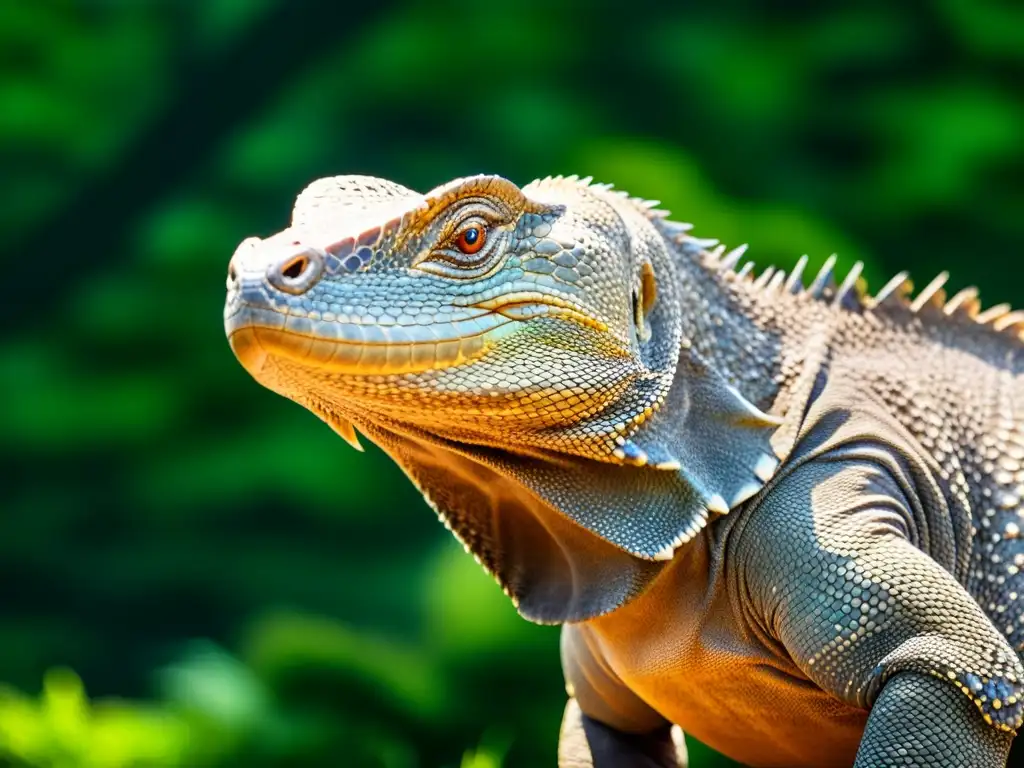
(62, 730)
(234, 585)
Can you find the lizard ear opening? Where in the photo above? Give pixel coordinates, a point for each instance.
(643, 301)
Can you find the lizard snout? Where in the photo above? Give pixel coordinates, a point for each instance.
(284, 261)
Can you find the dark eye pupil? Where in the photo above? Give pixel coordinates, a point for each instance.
(471, 236)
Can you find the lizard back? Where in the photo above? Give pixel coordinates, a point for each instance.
(953, 377)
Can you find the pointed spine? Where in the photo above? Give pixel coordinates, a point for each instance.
(1011, 321)
(732, 258)
(695, 245)
(764, 277)
(965, 303)
(675, 230)
(992, 313)
(631, 453)
(933, 294)
(825, 278)
(765, 468)
(344, 429)
(795, 283)
(894, 292)
(847, 294)
(704, 243)
(718, 505)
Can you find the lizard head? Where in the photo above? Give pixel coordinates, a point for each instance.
(478, 311)
(519, 353)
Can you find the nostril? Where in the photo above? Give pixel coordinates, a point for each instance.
(296, 273)
(293, 269)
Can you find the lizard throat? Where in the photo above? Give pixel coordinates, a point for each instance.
(256, 333)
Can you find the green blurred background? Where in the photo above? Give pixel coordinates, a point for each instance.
(196, 572)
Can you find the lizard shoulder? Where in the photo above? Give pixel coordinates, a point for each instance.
(827, 567)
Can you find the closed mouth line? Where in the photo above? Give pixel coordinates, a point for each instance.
(389, 351)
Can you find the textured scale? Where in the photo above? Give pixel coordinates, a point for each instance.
(773, 509)
(938, 378)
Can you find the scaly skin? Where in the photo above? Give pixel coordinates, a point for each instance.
(783, 518)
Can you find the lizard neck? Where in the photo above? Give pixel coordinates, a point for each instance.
(729, 324)
(504, 508)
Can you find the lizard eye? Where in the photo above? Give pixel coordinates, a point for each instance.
(469, 250)
(471, 239)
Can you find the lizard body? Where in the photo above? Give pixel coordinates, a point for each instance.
(783, 517)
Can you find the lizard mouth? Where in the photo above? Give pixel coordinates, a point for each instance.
(255, 333)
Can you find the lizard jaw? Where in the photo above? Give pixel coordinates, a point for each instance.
(256, 333)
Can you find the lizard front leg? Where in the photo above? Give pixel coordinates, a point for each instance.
(605, 724)
(587, 743)
(920, 720)
(829, 572)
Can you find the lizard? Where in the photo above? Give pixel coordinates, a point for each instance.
(779, 514)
